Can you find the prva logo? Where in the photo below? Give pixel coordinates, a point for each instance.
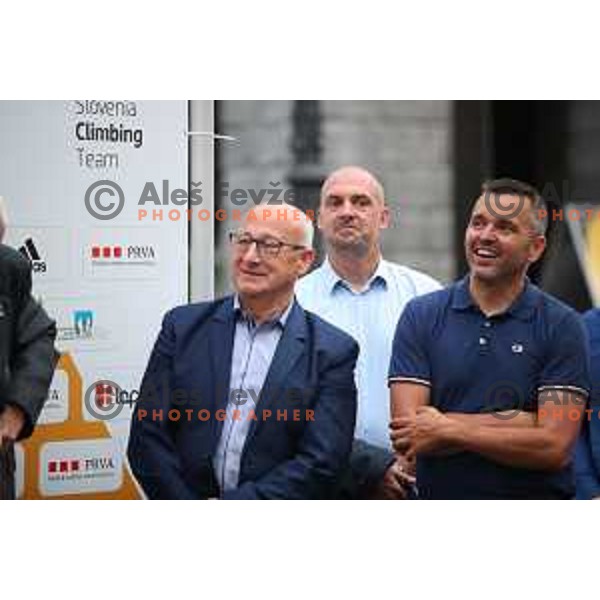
(141, 252)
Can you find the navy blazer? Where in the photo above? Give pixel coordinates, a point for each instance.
(190, 367)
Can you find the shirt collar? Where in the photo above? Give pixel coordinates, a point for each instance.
(333, 280)
(461, 296)
(522, 308)
(280, 319)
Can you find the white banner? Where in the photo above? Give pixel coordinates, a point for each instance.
(72, 174)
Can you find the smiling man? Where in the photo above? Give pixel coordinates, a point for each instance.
(248, 397)
(489, 378)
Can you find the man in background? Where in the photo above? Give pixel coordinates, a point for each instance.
(363, 294)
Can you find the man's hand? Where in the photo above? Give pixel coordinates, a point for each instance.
(12, 420)
(402, 431)
(431, 433)
(396, 481)
(428, 432)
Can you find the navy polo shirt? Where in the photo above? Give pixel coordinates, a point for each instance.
(476, 364)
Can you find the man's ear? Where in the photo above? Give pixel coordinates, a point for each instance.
(318, 221)
(307, 258)
(385, 219)
(538, 245)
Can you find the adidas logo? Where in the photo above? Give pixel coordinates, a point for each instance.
(30, 251)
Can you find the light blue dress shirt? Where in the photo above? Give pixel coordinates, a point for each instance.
(370, 316)
(253, 350)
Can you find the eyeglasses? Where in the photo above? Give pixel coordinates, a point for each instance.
(268, 248)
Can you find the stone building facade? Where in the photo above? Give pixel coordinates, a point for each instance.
(407, 144)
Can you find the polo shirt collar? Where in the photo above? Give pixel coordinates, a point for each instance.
(333, 280)
(461, 295)
(522, 308)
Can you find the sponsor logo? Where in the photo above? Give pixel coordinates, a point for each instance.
(83, 321)
(82, 328)
(82, 466)
(56, 407)
(107, 395)
(30, 251)
(122, 254)
(48, 250)
(117, 255)
(105, 400)
(68, 467)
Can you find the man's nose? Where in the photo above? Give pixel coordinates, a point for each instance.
(252, 253)
(347, 208)
(488, 232)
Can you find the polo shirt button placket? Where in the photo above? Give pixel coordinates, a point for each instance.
(484, 337)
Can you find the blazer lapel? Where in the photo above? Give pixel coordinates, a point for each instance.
(289, 350)
(220, 336)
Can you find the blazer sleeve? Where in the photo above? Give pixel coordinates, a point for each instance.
(33, 362)
(587, 483)
(367, 467)
(325, 446)
(151, 451)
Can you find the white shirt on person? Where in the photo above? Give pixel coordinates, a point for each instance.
(370, 316)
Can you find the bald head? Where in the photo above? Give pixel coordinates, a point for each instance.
(269, 253)
(352, 213)
(357, 176)
(285, 218)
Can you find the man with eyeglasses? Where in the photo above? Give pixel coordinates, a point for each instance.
(250, 396)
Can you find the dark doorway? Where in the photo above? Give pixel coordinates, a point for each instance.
(530, 141)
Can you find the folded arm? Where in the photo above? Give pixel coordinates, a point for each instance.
(545, 442)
